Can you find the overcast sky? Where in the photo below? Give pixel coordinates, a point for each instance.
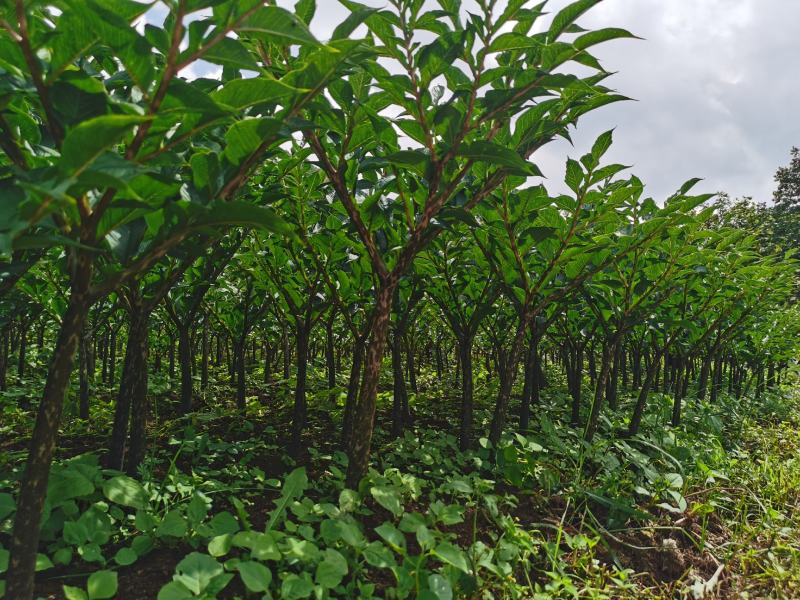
(717, 84)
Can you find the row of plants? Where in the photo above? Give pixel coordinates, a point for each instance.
(337, 201)
(541, 515)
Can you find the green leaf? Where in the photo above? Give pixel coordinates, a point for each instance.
(67, 483)
(574, 176)
(74, 593)
(348, 500)
(43, 562)
(602, 144)
(601, 35)
(142, 544)
(220, 545)
(126, 491)
(353, 20)
(674, 480)
(197, 510)
(196, 572)
(378, 555)
(322, 65)
(265, 548)
(440, 587)
(229, 52)
(391, 534)
(514, 41)
(305, 10)
(452, 555)
(332, 569)
(125, 557)
(294, 485)
(246, 136)
(388, 498)
(418, 160)
(205, 171)
(241, 93)
(255, 576)
(278, 25)
(243, 213)
(175, 590)
(91, 553)
(173, 525)
(84, 143)
(294, 587)
(101, 585)
(224, 522)
(567, 16)
(62, 556)
(7, 505)
(496, 154)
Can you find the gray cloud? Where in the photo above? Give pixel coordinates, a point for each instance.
(717, 87)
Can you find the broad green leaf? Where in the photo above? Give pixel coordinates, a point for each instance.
(256, 577)
(62, 556)
(391, 534)
(601, 35)
(294, 587)
(246, 136)
(7, 505)
(567, 16)
(220, 545)
(241, 93)
(675, 480)
(101, 585)
(277, 25)
(440, 587)
(388, 498)
(378, 555)
(125, 557)
(84, 143)
(331, 570)
(73, 593)
(126, 491)
(418, 160)
(223, 522)
(305, 10)
(452, 555)
(602, 144)
(265, 548)
(348, 500)
(232, 53)
(244, 214)
(67, 483)
(172, 525)
(496, 154)
(175, 590)
(514, 41)
(574, 176)
(43, 562)
(196, 572)
(353, 20)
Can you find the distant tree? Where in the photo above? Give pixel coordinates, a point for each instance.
(756, 218)
(787, 203)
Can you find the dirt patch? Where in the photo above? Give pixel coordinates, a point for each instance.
(139, 581)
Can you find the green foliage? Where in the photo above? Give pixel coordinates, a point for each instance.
(379, 186)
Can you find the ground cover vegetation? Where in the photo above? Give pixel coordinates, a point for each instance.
(312, 325)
